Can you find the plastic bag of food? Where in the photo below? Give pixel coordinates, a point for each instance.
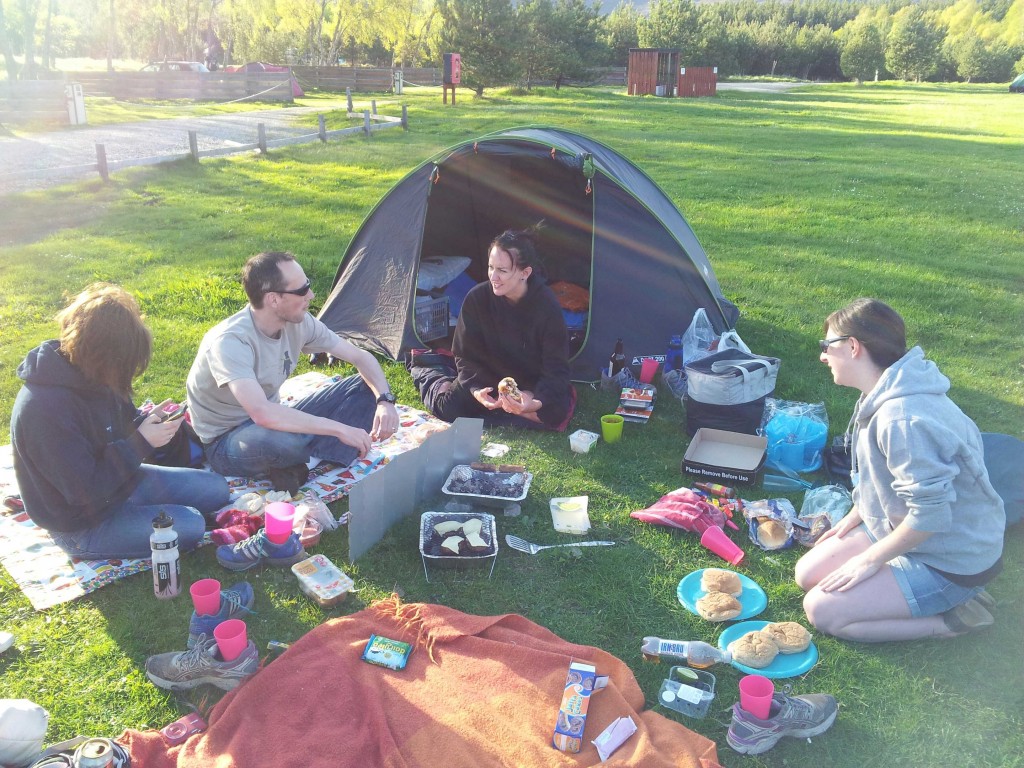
(822, 508)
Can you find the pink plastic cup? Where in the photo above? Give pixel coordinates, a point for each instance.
(714, 539)
(648, 368)
(756, 695)
(279, 516)
(205, 596)
(231, 637)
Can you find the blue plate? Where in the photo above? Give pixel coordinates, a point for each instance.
(784, 665)
(752, 600)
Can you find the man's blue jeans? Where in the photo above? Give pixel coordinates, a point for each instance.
(249, 450)
(184, 494)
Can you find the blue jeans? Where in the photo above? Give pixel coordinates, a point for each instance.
(185, 494)
(249, 450)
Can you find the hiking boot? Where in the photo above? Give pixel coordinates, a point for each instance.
(182, 670)
(258, 549)
(289, 478)
(969, 616)
(797, 716)
(233, 603)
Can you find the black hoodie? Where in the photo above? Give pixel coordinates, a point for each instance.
(77, 451)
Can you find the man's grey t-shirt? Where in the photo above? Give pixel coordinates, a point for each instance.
(236, 349)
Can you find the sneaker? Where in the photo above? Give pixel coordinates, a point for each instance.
(289, 478)
(233, 603)
(798, 716)
(182, 670)
(258, 549)
(970, 616)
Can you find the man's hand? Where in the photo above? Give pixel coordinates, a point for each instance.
(357, 438)
(484, 397)
(385, 422)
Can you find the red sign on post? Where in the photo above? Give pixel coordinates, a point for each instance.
(452, 69)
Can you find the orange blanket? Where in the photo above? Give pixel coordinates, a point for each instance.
(478, 691)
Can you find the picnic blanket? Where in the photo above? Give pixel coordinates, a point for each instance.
(48, 576)
(477, 691)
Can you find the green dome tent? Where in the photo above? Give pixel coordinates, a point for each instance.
(607, 228)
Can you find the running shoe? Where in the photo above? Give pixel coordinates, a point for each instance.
(233, 603)
(203, 664)
(258, 549)
(797, 716)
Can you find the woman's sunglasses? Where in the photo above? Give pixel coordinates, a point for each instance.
(824, 344)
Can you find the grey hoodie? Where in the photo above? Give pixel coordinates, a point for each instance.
(919, 458)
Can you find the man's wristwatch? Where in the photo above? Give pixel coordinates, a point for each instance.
(386, 397)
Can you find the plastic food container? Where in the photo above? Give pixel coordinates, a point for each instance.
(518, 484)
(430, 542)
(569, 514)
(581, 440)
(688, 697)
(322, 580)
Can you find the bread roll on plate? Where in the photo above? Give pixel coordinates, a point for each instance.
(790, 636)
(754, 649)
(718, 606)
(719, 580)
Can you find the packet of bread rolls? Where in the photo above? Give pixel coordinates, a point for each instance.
(770, 522)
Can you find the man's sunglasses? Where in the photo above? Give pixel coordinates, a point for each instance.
(301, 291)
(824, 344)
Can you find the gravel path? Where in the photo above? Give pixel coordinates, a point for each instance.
(43, 160)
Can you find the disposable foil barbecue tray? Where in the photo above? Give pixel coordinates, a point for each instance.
(463, 479)
(430, 542)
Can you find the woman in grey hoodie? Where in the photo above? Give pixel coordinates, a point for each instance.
(925, 533)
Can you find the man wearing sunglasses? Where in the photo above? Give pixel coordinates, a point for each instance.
(233, 387)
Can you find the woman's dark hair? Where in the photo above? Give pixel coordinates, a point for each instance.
(262, 275)
(102, 334)
(874, 324)
(521, 245)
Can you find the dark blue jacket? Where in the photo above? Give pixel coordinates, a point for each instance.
(77, 451)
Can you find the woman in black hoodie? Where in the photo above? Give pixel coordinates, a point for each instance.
(80, 445)
(510, 326)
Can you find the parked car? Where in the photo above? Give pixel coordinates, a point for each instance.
(1017, 86)
(175, 66)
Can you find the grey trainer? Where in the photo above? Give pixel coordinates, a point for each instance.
(798, 716)
(182, 670)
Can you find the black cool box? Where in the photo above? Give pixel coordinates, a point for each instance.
(725, 457)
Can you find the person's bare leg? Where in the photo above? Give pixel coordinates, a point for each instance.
(823, 558)
(872, 611)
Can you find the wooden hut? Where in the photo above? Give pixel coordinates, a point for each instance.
(653, 71)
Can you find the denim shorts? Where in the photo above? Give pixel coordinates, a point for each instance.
(926, 591)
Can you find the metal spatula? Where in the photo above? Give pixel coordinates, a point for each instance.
(525, 546)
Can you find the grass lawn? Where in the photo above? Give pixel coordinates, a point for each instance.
(803, 201)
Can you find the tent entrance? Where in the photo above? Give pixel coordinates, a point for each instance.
(480, 192)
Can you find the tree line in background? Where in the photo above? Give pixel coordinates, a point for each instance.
(505, 42)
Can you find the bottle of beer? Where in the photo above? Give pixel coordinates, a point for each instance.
(674, 355)
(617, 361)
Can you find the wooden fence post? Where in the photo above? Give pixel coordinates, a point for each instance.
(348, 96)
(101, 162)
(193, 145)
(261, 134)
(323, 128)
(405, 117)
(366, 122)
(373, 106)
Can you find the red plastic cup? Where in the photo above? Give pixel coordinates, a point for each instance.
(231, 637)
(279, 516)
(205, 596)
(756, 695)
(648, 367)
(714, 539)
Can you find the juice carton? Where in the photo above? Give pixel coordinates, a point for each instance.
(580, 684)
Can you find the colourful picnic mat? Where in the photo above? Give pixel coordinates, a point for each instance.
(48, 576)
